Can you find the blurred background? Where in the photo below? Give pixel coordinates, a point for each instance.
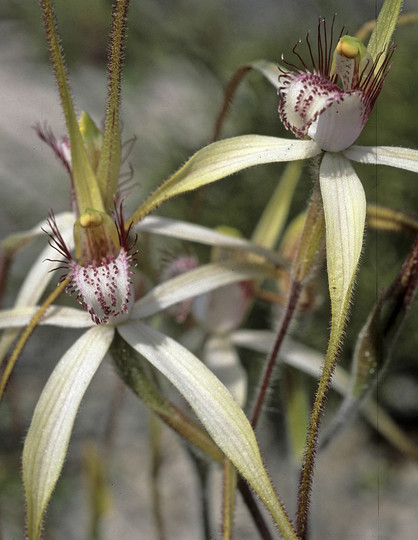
(180, 55)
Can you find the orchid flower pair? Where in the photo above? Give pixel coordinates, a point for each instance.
(330, 105)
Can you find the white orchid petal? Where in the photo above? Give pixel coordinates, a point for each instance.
(223, 158)
(196, 282)
(401, 158)
(270, 70)
(344, 204)
(204, 235)
(54, 316)
(47, 440)
(212, 403)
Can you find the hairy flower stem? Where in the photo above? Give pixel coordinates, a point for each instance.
(289, 311)
(229, 478)
(308, 252)
(306, 476)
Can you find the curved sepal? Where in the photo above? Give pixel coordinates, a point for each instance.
(214, 406)
(198, 281)
(223, 158)
(392, 156)
(192, 232)
(385, 26)
(49, 434)
(344, 205)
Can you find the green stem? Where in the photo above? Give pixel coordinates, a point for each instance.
(228, 499)
(306, 477)
(306, 258)
(155, 429)
(289, 311)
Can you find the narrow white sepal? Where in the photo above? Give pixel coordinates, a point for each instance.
(201, 280)
(228, 156)
(401, 158)
(54, 316)
(293, 354)
(212, 403)
(48, 436)
(344, 204)
(204, 235)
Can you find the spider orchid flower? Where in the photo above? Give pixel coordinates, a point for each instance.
(101, 275)
(314, 104)
(48, 437)
(327, 109)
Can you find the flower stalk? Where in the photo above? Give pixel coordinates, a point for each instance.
(309, 248)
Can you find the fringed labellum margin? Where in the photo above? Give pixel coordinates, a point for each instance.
(332, 103)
